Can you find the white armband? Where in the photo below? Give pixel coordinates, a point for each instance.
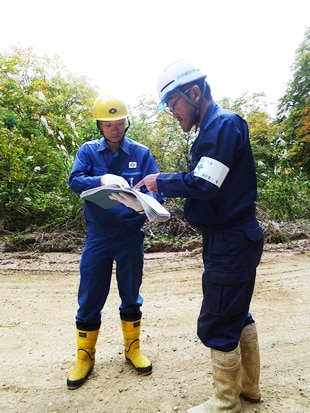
(211, 170)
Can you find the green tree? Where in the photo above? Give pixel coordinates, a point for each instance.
(294, 110)
(44, 117)
(263, 131)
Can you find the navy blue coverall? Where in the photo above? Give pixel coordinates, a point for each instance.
(114, 234)
(220, 192)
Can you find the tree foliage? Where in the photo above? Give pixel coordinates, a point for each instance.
(263, 131)
(294, 110)
(45, 115)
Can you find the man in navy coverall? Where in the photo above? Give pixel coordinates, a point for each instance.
(114, 234)
(220, 191)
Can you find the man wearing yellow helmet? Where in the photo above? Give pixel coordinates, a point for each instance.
(220, 191)
(114, 234)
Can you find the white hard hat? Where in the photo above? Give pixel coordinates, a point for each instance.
(174, 76)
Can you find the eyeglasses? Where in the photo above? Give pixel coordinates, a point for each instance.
(172, 107)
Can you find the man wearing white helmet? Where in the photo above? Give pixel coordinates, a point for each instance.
(114, 234)
(220, 191)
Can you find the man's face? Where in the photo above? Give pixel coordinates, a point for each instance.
(113, 131)
(181, 110)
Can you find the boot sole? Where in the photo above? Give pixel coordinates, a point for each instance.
(145, 371)
(248, 399)
(72, 385)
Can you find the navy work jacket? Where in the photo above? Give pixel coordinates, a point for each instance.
(223, 137)
(133, 161)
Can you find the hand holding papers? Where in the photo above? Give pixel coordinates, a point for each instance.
(128, 200)
(154, 211)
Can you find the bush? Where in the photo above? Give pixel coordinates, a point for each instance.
(286, 196)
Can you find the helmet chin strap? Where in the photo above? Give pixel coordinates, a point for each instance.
(194, 104)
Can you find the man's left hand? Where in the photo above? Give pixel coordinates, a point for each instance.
(128, 200)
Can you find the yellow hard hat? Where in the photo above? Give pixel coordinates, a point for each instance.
(109, 108)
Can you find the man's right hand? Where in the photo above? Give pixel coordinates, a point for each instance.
(111, 179)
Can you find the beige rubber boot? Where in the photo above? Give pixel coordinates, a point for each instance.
(250, 362)
(86, 345)
(226, 368)
(133, 354)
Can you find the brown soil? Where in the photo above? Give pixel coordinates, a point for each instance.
(37, 336)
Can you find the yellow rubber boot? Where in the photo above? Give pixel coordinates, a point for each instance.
(86, 345)
(226, 367)
(133, 354)
(250, 362)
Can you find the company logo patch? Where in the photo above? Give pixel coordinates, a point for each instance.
(112, 111)
(132, 164)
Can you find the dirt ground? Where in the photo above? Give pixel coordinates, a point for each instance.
(37, 336)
